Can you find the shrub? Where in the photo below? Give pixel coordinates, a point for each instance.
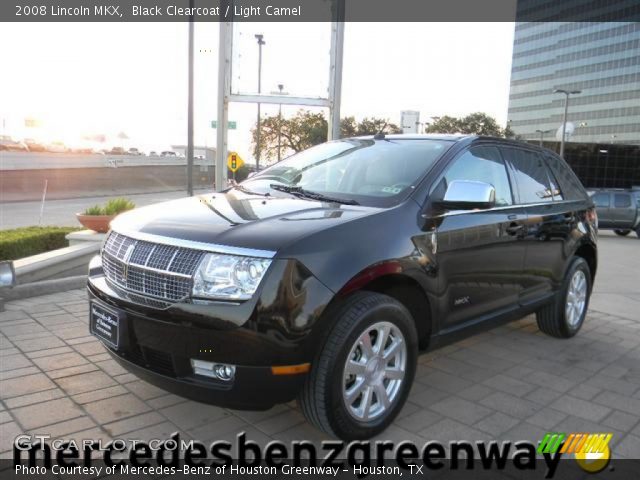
(112, 207)
(118, 205)
(23, 242)
(95, 210)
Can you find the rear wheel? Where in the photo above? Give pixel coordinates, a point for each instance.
(363, 374)
(622, 233)
(564, 317)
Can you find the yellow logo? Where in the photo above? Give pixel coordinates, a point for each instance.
(594, 462)
(591, 450)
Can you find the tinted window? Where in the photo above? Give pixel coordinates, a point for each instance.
(376, 173)
(570, 186)
(601, 199)
(621, 200)
(555, 189)
(532, 178)
(482, 164)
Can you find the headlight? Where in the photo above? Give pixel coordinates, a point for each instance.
(228, 277)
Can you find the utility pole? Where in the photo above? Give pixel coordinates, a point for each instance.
(280, 87)
(261, 42)
(190, 107)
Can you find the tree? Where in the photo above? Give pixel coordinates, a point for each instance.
(477, 123)
(303, 130)
(367, 126)
(306, 129)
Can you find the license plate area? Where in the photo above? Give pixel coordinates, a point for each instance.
(106, 323)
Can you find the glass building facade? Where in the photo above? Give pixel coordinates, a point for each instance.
(602, 60)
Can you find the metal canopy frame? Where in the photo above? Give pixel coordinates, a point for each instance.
(332, 102)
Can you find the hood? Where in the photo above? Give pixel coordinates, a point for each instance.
(239, 220)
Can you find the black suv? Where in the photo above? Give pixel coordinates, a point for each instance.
(619, 210)
(324, 275)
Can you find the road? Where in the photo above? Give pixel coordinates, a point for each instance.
(37, 161)
(617, 287)
(62, 212)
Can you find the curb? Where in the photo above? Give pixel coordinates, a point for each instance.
(43, 287)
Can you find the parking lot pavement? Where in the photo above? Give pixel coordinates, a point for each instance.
(511, 383)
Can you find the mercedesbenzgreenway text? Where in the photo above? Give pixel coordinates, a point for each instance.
(244, 456)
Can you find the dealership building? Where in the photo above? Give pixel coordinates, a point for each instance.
(601, 61)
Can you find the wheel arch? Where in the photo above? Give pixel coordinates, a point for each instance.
(406, 290)
(590, 255)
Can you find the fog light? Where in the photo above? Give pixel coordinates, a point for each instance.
(224, 372)
(219, 371)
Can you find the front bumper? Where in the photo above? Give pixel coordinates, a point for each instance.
(158, 345)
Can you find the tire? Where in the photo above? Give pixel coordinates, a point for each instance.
(622, 233)
(324, 397)
(557, 319)
(638, 231)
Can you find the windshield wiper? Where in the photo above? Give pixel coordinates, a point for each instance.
(244, 189)
(301, 192)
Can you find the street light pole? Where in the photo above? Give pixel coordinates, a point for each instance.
(566, 109)
(542, 132)
(261, 42)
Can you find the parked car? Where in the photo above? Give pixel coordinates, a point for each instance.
(134, 151)
(168, 153)
(153, 153)
(117, 151)
(57, 147)
(323, 276)
(9, 144)
(33, 145)
(618, 210)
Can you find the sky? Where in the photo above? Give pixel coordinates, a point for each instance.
(87, 78)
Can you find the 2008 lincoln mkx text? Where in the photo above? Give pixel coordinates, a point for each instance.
(323, 276)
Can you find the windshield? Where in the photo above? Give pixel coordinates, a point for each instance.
(371, 172)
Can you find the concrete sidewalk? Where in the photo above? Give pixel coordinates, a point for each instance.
(511, 383)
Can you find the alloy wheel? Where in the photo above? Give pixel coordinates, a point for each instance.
(374, 371)
(576, 298)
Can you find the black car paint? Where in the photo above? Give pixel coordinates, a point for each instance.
(472, 269)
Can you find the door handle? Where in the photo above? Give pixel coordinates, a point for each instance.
(514, 228)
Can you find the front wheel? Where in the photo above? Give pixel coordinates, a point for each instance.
(363, 374)
(564, 317)
(621, 232)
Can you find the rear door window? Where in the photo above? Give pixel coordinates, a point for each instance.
(622, 200)
(601, 200)
(569, 183)
(531, 176)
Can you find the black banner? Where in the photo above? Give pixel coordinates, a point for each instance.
(319, 10)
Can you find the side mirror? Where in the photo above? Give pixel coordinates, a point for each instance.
(468, 195)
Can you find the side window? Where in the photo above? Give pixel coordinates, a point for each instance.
(555, 189)
(482, 164)
(601, 200)
(621, 200)
(570, 186)
(532, 177)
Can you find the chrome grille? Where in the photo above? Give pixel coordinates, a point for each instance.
(149, 269)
